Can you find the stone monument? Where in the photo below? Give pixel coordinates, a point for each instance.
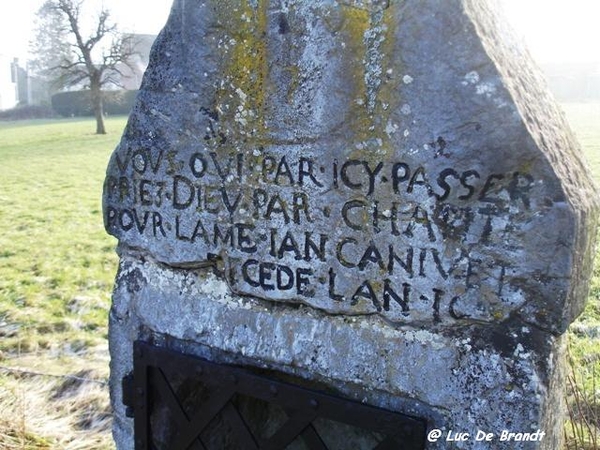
(376, 198)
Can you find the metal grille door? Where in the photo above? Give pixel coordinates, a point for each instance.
(182, 402)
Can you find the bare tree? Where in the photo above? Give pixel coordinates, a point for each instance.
(75, 58)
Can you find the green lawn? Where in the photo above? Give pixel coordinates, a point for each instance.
(585, 121)
(584, 334)
(57, 264)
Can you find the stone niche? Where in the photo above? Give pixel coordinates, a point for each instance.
(377, 198)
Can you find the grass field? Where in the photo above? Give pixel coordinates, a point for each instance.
(57, 267)
(56, 262)
(584, 336)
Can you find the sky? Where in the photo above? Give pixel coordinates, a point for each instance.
(17, 20)
(554, 30)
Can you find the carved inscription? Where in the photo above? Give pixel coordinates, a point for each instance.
(354, 235)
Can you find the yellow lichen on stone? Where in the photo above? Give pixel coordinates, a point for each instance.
(369, 34)
(246, 65)
(355, 24)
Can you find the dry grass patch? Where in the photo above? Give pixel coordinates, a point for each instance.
(54, 412)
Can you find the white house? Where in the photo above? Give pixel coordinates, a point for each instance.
(9, 88)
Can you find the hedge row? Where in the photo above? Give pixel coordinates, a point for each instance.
(79, 103)
(26, 112)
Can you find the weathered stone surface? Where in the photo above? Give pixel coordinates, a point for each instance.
(492, 378)
(394, 166)
(355, 160)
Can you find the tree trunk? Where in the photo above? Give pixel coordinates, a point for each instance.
(98, 110)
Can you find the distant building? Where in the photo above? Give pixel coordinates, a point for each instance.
(19, 87)
(38, 91)
(573, 81)
(9, 82)
(132, 76)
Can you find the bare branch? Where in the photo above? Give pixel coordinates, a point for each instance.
(78, 57)
(103, 29)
